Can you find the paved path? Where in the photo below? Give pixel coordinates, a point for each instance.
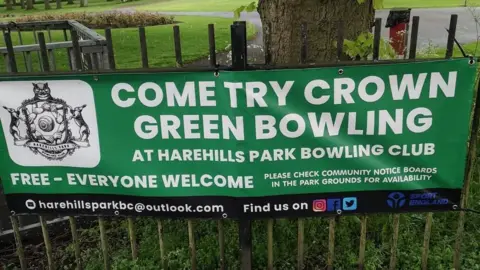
(432, 23)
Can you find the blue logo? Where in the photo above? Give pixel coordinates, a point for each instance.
(334, 204)
(396, 200)
(349, 204)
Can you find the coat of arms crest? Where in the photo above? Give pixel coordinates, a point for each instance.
(47, 125)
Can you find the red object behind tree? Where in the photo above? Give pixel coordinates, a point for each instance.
(397, 37)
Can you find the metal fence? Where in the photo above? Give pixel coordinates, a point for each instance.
(88, 52)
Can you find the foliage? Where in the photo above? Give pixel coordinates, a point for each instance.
(362, 47)
(377, 4)
(248, 8)
(113, 19)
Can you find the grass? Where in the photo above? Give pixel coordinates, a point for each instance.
(93, 6)
(230, 5)
(203, 5)
(194, 39)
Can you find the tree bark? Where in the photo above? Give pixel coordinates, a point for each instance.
(83, 3)
(282, 27)
(8, 4)
(47, 4)
(59, 4)
(29, 4)
(70, 2)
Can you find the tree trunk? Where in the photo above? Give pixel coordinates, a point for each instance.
(47, 4)
(70, 2)
(59, 4)
(83, 3)
(22, 4)
(29, 4)
(282, 27)
(8, 4)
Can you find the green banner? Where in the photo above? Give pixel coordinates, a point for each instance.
(351, 129)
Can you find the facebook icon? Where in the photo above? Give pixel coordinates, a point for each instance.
(334, 204)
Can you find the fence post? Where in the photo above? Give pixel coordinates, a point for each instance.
(162, 247)
(12, 63)
(363, 240)
(239, 62)
(270, 243)
(110, 54)
(191, 245)
(43, 52)
(103, 241)
(133, 237)
(18, 242)
(76, 244)
(77, 59)
(143, 46)
(331, 243)
(178, 46)
(48, 244)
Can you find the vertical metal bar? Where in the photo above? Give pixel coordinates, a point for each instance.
(65, 37)
(331, 243)
(303, 50)
(29, 62)
(96, 64)
(178, 46)
(76, 50)
(43, 52)
(469, 175)
(376, 38)
(111, 56)
(133, 238)
(20, 41)
(300, 243)
(221, 244)
(239, 50)
(143, 46)
(7, 62)
(414, 38)
(340, 33)
(426, 240)
(38, 52)
(451, 35)
(51, 52)
(76, 244)
(48, 244)
(103, 241)
(212, 45)
(11, 54)
(270, 243)
(363, 241)
(191, 245)
(393, 249)
(88, 59)
(18, 243)
(162, 246)
(239, 62)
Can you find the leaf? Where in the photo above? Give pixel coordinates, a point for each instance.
(251, 7)
(378, 4)
(236, 12)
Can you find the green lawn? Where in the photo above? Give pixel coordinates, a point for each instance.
(202, 5)
(229, 5)
(194, 40)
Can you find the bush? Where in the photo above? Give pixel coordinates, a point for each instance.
(113, 19)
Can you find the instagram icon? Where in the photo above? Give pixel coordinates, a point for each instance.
(320, 205)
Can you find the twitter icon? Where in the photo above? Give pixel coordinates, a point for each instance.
(349, 204)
